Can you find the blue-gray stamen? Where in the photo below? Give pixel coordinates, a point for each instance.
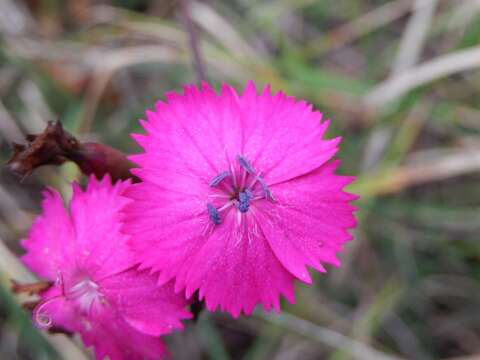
(244, 198)
(266, 191)
(213, 214)
(218, 179)
(245, 164)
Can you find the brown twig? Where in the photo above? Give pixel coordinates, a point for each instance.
(415, 35)
(441, 166)
(198, 62)
(326, 336)
(359, 27)
(440, 67)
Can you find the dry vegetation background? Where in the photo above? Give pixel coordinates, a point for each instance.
(399, 79)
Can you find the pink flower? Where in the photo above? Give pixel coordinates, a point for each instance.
(238, 196)
(96, 292)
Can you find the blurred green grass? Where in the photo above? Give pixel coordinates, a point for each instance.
(409, 284)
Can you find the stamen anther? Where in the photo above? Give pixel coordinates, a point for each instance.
(218, 179)
(244, 198)
(266, 191)
(244, 163)
(213, 214)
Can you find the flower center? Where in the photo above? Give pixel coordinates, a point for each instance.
(237, 188)
(86, 294)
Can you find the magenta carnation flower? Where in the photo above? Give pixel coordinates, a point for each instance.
(238, 196)
(95, 291)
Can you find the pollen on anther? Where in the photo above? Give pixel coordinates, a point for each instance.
(213, 214)
(244, 163)
(265, 189)
(244, 198)
(218, 179)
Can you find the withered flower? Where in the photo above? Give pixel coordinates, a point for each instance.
(54, 146)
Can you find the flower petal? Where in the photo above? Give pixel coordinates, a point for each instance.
(236, 269)
(182, 135)
(100, 246)
(168, 228)
(283, 136)
(308, 223)
(112, 336)
(50, 242)
(151, 309)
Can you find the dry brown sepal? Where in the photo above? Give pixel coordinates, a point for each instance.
(54, 146)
